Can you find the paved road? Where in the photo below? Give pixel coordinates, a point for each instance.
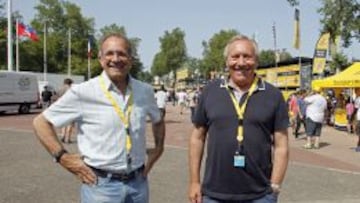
(27, 174)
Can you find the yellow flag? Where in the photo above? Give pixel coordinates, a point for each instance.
(321, 49)
(297, 29)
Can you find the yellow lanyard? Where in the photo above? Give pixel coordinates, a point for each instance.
(241, 110)
(124, 117)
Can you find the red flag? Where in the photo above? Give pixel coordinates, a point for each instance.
(27, 31)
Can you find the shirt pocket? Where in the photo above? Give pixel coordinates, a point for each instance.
(138, 118)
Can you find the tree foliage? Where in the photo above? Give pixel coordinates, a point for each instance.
(172, 54)
(56, 19)
(267, 57)
(60, 18)
(339, 62)
(339, 17)
(213, 58)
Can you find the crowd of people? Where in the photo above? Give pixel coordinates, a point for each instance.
(312, 110)
(183, 98)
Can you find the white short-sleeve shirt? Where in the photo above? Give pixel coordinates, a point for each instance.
(316, 106)
(101, 133)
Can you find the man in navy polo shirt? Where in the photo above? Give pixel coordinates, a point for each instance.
(244, 120)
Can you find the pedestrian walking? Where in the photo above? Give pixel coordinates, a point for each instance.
(67, 131)
(46, 95)
(182, 98)
(357, 127)
(161, 99)
(244, 121)
(301, 115)
(315, 115)
(110, 111)
(350, 108)
(193, 101)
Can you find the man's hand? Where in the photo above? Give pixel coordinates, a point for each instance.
(195, 193)
(75, 164)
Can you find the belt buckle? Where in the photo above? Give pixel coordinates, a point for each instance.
(123, 176)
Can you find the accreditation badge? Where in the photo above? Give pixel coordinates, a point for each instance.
(239, 161)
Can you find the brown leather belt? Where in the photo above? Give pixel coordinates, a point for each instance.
(118, 176)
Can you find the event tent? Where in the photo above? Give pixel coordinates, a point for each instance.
(349, 78)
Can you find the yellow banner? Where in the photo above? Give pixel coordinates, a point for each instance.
(297, 29)
(320, 53)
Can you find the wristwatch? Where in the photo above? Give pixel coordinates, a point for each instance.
(57, 155)
(275, 187)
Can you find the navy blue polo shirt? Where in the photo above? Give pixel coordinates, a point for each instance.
(265, 113)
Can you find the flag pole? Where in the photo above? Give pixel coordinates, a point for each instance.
(17, 45)
(69, 53)
(275, 44)
(89, 57)
(89, 68)
(45, 57)
(299, 34)
(9, 37)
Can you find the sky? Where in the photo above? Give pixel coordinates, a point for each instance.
(200, 20)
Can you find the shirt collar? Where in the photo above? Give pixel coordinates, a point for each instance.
(227, 83)
(110, 85)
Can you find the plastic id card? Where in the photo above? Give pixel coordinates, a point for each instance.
(239, 161)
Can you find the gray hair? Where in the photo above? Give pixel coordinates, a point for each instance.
(240, 38)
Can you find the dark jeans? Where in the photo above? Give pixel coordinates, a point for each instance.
(269, 198)
(298, 123)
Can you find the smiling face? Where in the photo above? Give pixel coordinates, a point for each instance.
(241, 60)
(115, 58)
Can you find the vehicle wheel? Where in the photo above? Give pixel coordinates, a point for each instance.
(24, 108)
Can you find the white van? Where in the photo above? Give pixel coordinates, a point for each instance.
(19, 91)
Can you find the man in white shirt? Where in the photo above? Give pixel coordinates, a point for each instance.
(182, 98)
(315, 113)
(110, 111)
(161, 98)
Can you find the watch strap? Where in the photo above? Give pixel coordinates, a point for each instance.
(57, 155)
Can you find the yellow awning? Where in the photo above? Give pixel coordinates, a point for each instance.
(349, 78)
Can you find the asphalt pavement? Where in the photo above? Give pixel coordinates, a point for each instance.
(28, 174)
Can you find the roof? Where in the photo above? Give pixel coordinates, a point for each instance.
(348, 78)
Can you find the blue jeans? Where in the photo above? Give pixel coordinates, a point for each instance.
(113, 191)
(269, 198)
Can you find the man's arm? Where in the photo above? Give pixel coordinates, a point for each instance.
(196, 150)
(155, 153)
(45, 132)
(281, 158)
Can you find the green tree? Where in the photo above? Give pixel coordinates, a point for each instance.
(172, 54)
(137, 66)
(194, 65)
(59, 17)
(213, 58)
(145, 76)
(267, 57)
(339, 62)
(339, 17)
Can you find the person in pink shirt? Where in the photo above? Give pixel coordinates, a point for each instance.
(293, 110)
(350, 108)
